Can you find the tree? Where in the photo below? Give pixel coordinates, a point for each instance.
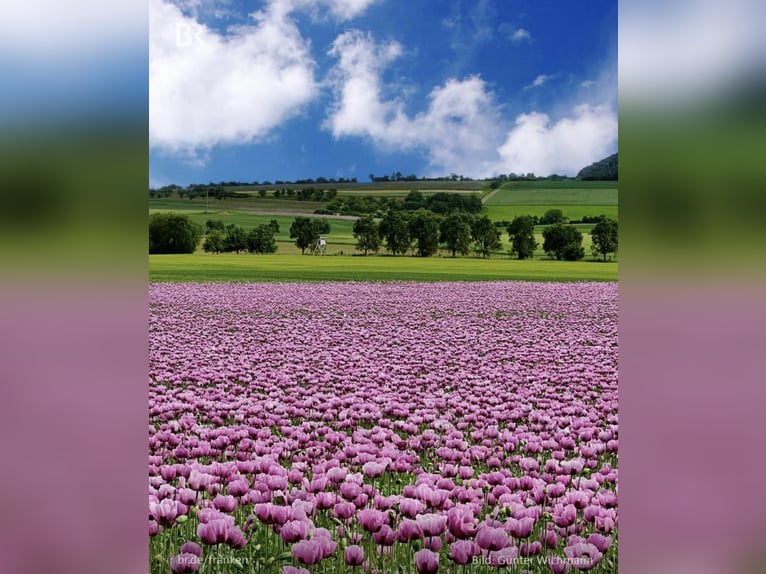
(552, 217)
(322, 226)
(214, 225)
(214, 242)
(235, 239)
(395, 231)
(414, 200)
(274, 224)
(260, 239)
(367, 235)
(604, 237)
(563, 242)
(455, 233)
(521, 232)
(485, 235)
(173, 233)
(262, 193)
(424, 230)
(305, 233)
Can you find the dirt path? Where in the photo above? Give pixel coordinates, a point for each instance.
(490, 194)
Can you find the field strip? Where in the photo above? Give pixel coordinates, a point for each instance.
(489, 195)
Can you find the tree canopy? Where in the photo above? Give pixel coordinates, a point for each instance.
(173, 233)
(424, 230)
(306, 231)
(455, 233)
(521, 232)
(367, 235)
(485, 235)
(563, 242)
(604, 237)
(395, 232)
(605, 169)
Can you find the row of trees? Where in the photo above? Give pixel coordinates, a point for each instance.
(561, 240)
(221, 238)
(441, 203)
(398, 231)
(425, 232)
(195, 190)
(303, 194)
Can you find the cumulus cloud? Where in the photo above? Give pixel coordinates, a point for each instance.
(461, 129)
(456, 131)
(207, 89)
(540, 146)
(360, 108)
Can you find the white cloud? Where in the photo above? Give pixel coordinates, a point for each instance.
(539, 81)
(461, 130)
(198, 9)
(348, 9)
(520, 35)
(207, 89)
(514, 34)
(587, 83)
(542, 147)
(456, 131)
(360, 109)
(342, 10)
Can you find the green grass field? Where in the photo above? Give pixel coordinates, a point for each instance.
(514, 194)
(291, 268)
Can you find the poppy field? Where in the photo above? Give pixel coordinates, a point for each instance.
(383, 427)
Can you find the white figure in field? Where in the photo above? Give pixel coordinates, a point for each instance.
(321, 246)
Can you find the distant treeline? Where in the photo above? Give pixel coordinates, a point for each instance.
(441, 202)
(606, 169)
(195, 190)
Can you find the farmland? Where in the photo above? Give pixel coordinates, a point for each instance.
(576, 199)
(406, 427)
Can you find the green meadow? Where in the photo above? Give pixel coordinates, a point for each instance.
(291, 268)
(576, 199)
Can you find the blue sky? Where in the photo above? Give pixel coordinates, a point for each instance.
(291, 89)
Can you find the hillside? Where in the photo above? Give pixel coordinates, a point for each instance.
(606, 169)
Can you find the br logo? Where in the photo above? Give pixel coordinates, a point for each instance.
(188, 34)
